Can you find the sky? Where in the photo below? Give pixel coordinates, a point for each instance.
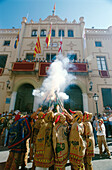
(96, 13)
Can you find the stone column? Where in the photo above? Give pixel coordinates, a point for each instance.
(36, 103)
(13, 101)
(85, 101)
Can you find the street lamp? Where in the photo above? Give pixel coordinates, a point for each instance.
(91, 86)
(96, 97)
(8, 82)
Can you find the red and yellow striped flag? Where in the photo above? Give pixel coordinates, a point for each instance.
(37, 49)
(48, 37)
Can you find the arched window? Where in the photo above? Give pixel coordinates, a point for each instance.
(34, 33)
(70, 33)
(53, 33)
(43, 33)
(61, 32)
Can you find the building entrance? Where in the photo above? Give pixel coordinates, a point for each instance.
(24, 99)
(75, 101)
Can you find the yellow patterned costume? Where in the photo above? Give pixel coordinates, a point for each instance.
(89, 137)
(77, 143)
(44, 155)
(60, 143)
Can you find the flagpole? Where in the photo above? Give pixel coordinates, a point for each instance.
(50, 42)
(27, 16)
(18, 54)
(50, 54)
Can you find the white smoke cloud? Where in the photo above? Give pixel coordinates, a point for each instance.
(58, 79)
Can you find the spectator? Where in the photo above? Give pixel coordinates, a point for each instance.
(24, 60)
(95, 124)
(17, 60)
(107, 108)
(105, 119)
(8, 125)
(20, 60)
(2, 130)
(99, 116)
(101, 135)
(110, 124)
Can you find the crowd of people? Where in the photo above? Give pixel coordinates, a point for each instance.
(52, 60)
(53, 135)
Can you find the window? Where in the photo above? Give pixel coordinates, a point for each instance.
(72, 57)
(29, 57)
(101, 63)
(6, 43)
(34, 33)
(3, 59)
(43, 33)
(98, 44)
(53, 33)
(70, 33)
(107, 97)
(61, 32)
(50, 58)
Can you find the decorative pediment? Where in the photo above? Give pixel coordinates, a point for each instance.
(53, 19)
(71, 45)
(32, 44)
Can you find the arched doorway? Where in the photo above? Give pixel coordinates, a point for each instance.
(75, 101)
(24, 99)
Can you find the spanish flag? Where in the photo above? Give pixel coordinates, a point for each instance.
(37, 49)
(48, 37)
(16, 41)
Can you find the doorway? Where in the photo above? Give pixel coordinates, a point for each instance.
(24, 99)
(75, 101)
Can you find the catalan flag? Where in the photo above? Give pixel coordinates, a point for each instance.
(48, 37)
(37, 49)
(16, 41)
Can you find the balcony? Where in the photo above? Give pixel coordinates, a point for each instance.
(23, 67)
(104, 73)
(76, 68)
(1, 71)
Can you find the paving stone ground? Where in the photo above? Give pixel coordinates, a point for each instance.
(98, 163)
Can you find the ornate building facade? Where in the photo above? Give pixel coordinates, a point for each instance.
(88, 49)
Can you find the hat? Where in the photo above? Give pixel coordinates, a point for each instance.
(100, 120)
(10, 114)
(40, 115)
(16, 112)
(49, 116)
(2, 118)
(77, 116)
(59, 118)
(87, 116)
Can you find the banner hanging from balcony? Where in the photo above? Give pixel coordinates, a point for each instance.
(78, 67)
(104, 73)
(74, 67)
(23, 66)
(43, 68)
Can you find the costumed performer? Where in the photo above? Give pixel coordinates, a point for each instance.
(89, 137)
(19, 132)
(77, 143)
